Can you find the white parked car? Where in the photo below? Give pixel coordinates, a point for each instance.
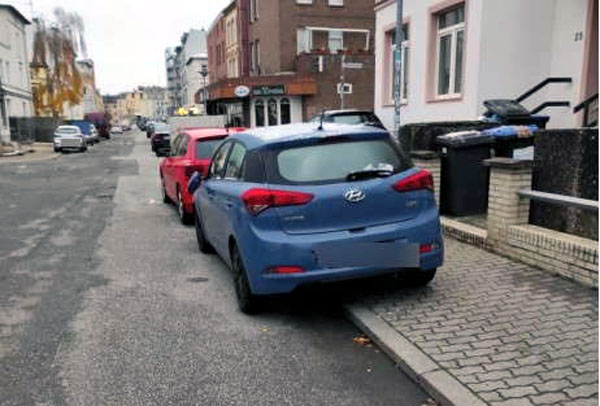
(69, 137)
(116, 130)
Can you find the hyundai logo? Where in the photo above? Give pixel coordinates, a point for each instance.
(354, 195)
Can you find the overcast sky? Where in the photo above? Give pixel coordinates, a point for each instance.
(127, 38)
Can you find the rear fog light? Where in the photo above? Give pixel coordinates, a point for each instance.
(285, 270)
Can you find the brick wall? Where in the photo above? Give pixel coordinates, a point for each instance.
(362, 81)
(509, 232)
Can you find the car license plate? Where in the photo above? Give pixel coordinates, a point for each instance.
(394, 254)
(166, 137)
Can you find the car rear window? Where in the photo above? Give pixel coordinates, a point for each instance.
(67, 130)
(332, 162)
(205, 149)
(354, 119)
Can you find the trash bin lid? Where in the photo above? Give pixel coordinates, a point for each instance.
(465, 138)
(506, 108)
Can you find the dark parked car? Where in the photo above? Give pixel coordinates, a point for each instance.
(161, 139)
(350, 117)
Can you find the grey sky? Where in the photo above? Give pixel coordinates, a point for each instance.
(127, 38)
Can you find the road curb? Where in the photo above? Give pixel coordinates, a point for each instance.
(439, 384)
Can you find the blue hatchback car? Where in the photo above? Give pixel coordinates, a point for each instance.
(298, 204)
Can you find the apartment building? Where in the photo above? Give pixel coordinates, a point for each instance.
(183, 64)
(296, 57)
(15, 85)
(459, 53)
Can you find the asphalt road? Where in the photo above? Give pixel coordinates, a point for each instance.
(105, 300)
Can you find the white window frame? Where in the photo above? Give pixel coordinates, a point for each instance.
(304, 1)
(336, 3)
(453, 31)
(331, 36)
(303, 40)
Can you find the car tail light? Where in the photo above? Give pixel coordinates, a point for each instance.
(419, 180)
(425, 248)
(285, 270)
(258, 200)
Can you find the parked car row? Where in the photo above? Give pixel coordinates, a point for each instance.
(300, 204)
(77, 135)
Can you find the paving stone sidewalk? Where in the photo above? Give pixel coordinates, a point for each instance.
(512, 334)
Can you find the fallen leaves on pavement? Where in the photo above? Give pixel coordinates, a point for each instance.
(362, 340)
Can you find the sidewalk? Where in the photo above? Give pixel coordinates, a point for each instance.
(490, 331)
(25, 153)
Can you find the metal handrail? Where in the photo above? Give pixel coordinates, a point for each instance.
(561, 200)
(584, 103)
(542, 84)
(550, 104)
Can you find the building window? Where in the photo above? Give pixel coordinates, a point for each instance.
(304, 2)
(253, 10)
(259, 111)
(336, 3)
(252, 57)
(405, 64)
(450, 52)
(336, 40)
(285, 111)
(272, 107)
(257, 56)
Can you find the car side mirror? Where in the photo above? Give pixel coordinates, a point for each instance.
(195, 182)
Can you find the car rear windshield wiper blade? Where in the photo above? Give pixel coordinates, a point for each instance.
(369, 173)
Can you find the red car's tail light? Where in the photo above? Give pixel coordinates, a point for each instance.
(419, 180)
(285, 270)
(258, 200)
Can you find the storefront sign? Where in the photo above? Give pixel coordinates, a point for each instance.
(242, 91)
(276, 90)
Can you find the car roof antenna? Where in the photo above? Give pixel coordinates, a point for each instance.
(320, 128)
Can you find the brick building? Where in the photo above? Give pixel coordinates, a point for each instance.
(290, 58)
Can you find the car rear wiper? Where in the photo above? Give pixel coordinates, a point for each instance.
(369, 173)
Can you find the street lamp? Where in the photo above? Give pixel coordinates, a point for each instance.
(204, 73)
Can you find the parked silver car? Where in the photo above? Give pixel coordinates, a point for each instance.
(69, 137)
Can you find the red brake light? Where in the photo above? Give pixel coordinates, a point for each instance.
(258, 200)
(285, 270)
(419, 180)
(425, 248)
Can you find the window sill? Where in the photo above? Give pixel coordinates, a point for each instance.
(454, 98)
(392, 104)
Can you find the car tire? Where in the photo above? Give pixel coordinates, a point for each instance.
(184, 217)
(82, 149)
(163, 191)
(248, 303)
(56, 149)
(421, 277)
(203, 244)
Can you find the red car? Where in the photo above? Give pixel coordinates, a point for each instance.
(191, 151)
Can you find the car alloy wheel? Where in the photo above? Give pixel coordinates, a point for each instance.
(247, 302)
(184, 217)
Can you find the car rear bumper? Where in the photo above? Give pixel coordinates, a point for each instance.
(265, 250)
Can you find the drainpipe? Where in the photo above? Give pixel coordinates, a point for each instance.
(398, 68)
